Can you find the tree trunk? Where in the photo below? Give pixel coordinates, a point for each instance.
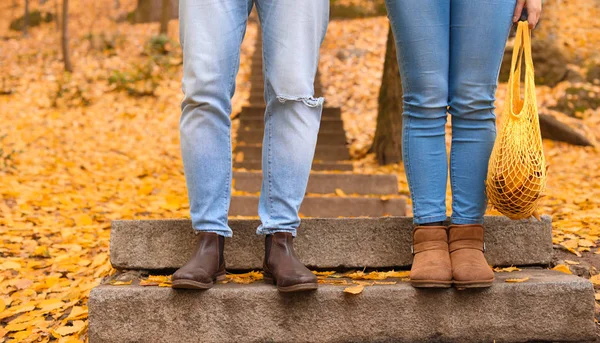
(65, 37)
(56, 15)
(165, 17)
(26, 19)
(152, 11)
(387, 143)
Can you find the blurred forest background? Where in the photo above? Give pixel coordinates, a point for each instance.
(89, 111)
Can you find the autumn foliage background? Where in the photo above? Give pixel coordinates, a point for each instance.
(80, 149)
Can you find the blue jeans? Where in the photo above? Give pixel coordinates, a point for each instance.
(449, 54)
(211, 33)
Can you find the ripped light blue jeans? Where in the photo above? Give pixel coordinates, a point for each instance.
(449, 54)
(211, 33)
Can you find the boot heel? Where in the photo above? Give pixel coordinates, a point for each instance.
(221, 277)
(269, 280)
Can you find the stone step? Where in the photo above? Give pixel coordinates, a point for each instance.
(258, 112)
(323, 183)
(550, 306)
(255, 136)
(321, 243)
(317, 165)
(326, 123)
(328, 207)
(322, 152)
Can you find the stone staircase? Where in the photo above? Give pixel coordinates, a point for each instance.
(361, 194)
(550, 306)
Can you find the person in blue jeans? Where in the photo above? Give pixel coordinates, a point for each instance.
(211, 33)
(449, 55)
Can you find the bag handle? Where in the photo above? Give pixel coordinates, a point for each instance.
(521, 49)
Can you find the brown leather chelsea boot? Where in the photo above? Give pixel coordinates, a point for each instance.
(282, 268)
(205, 267)
(469, 267)
(431, 266)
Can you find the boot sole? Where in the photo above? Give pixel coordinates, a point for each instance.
(474, 284)
(302, 287)
(430, 284)
(191, 284)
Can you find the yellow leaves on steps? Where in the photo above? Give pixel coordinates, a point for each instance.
(245, 278)
(156, 280)
(120, 283)
(562, 268)
(517, 280)
(356, 289)
(378, 275)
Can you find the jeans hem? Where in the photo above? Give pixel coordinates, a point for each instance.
(223, 233)
(269, 231)
(430, 219)
(466, 221)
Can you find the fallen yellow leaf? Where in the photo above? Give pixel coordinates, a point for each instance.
(16, 327)
(357, 289)
(340, 192)
(338, 282)
(517, 280)
(10, 265)
(562, 268)
(83, 220)
(41, 251)
(595, 280)
(65, 330)
(78, 312)
(506, 269)
(121, 283)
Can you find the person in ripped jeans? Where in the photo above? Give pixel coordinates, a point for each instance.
(211, 33)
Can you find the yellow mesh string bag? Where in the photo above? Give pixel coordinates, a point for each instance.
(516, 177)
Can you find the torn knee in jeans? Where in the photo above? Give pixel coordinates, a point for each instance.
(309, 101)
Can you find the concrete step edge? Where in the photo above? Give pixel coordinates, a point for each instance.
(321, 243)
(550, 306)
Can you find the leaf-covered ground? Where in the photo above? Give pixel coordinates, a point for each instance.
(77, 151)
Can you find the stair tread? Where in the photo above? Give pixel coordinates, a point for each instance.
(321, 242)
(329, 206)
(319, 165)
(320, 182)
(550, 306)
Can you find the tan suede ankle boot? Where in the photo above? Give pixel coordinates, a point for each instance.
(469, 267)
(431, 263)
